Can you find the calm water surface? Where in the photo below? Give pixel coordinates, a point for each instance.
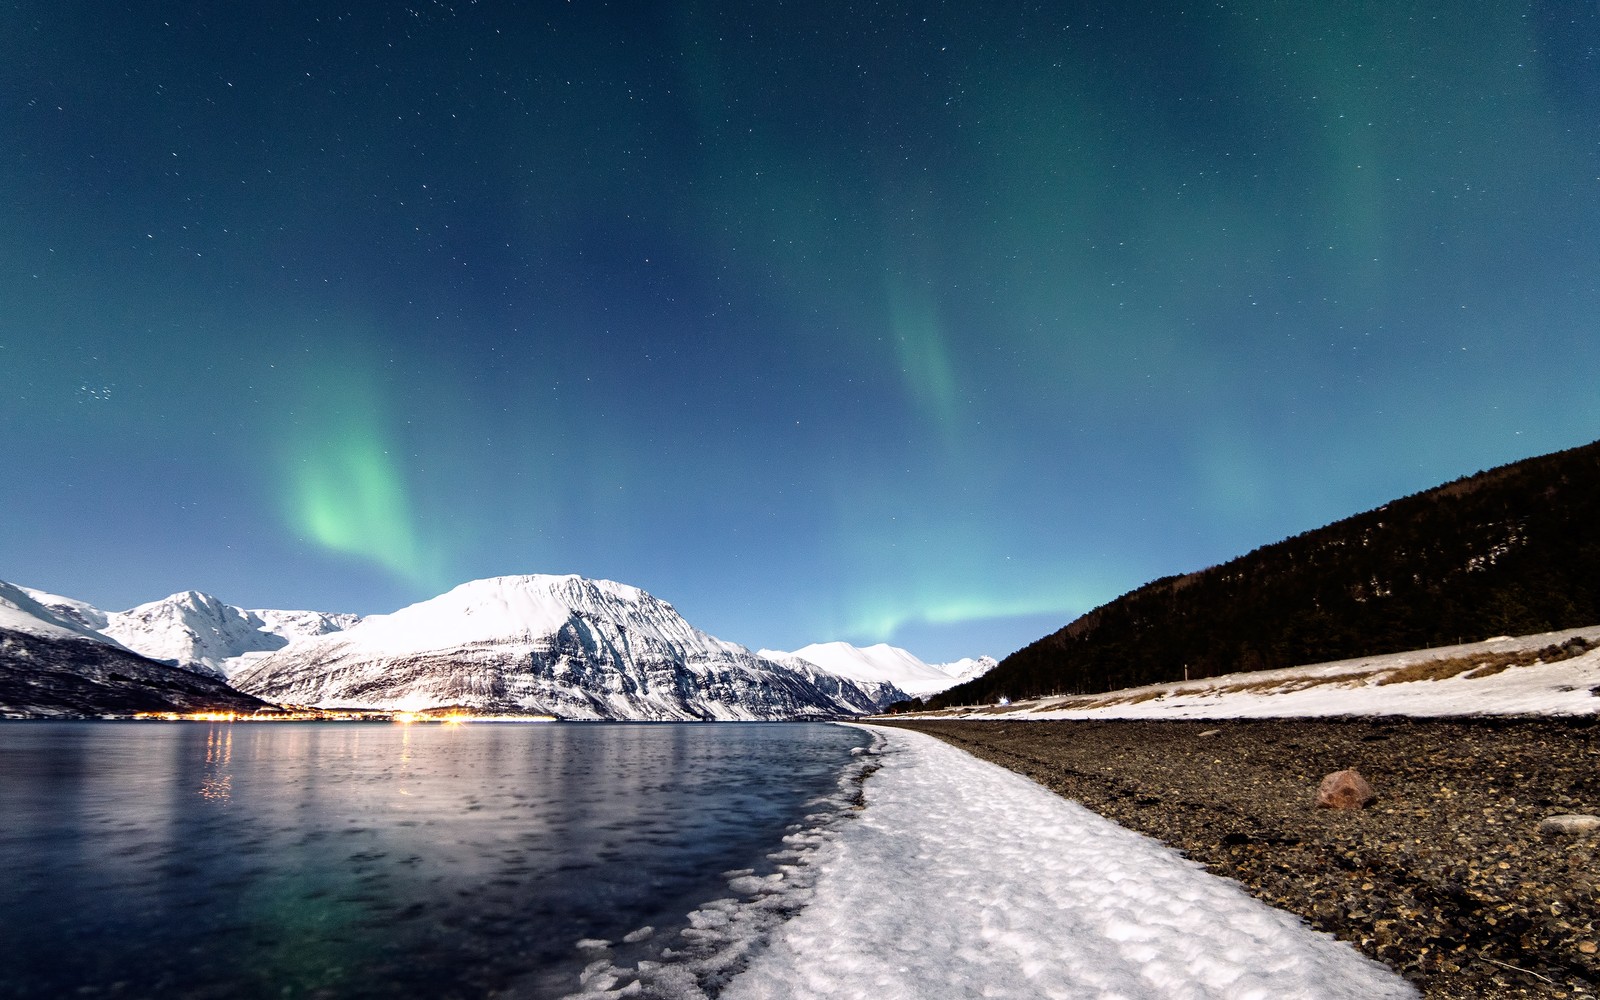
(355, 860)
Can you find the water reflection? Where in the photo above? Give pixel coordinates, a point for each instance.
(369, 860)
(217, 785)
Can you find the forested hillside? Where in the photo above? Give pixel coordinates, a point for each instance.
(1509, 551)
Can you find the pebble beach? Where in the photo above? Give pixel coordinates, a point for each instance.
(1447, 877)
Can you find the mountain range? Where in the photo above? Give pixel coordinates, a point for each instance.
(55, 665)
(194, 630)
(1510, 551)
(520, 645)
(886, 663)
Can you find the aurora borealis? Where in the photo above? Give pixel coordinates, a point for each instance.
(935, 324)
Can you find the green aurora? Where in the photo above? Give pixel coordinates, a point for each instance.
(913, 323)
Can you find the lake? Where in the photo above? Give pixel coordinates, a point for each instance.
(377, 859)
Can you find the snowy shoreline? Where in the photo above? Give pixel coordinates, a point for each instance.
(961, 878)
(1448, 878)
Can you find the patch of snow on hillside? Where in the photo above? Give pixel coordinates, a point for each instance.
(926, 895)
(1352, 687)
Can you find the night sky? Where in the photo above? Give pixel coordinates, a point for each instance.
(930, 323)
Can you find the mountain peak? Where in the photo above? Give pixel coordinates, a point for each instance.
(515, 609)
(185, 602)
(568, 587)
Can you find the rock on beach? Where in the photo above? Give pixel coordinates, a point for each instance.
(1568, 824)
(1345, 789)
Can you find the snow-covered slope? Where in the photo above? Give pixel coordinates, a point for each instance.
(1552, 673)
(558, 645)
(886, 664)
(194, 630)
(21, 611)
(87, 616)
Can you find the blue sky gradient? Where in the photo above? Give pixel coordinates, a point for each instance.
(935, 324)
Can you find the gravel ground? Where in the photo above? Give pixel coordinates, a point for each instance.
(1445, 878)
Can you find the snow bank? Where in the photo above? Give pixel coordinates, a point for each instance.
(962, 879)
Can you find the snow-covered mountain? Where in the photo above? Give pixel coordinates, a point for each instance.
(968, 667)
(886, 664)
(880, 694)
(558, 645)
(194, 630)
(52, 663)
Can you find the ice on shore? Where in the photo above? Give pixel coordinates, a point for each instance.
(962, 879)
